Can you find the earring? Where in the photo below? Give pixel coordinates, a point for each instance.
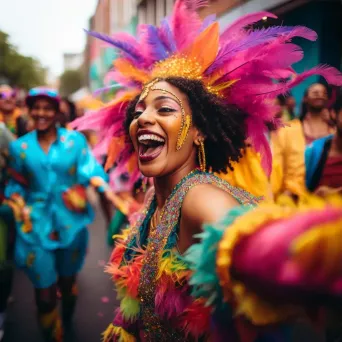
(201, 157)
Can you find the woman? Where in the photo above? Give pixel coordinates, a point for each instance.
(193, 97)
(315, 114)
(50, 170)
(323, 158)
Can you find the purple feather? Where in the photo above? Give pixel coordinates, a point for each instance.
(127, 48)
(151, 44)
(255, 38)
(166, 36)
(208, 21)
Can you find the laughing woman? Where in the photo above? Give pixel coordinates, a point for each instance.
(50, 169)
(192, 99)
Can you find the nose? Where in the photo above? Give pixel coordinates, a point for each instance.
(147, 118)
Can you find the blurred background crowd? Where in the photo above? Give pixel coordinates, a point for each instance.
(307, 151)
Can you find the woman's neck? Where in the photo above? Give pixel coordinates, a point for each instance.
(47, 136)
(164, 185)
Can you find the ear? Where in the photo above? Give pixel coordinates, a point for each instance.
(198, 137)
(333, 116)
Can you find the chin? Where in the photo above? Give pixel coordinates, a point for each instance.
(152, 169)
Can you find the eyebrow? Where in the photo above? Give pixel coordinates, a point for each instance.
(162, 97)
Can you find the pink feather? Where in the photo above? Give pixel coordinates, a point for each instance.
(171, 301)
(237, 26)
(195, 320)
(185, 24)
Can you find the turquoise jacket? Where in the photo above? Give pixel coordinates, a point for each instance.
(313, 154)
(42, 178)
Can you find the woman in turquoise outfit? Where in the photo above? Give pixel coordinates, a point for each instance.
(50, 169)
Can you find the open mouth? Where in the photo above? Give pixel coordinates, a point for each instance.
(150, 146)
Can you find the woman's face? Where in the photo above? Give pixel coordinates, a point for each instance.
(317, 97)
(44, 114)
(155, 128)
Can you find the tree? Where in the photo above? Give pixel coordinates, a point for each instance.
(19, 70)
(70, 81)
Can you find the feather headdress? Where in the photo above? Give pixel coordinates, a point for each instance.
(245, 67)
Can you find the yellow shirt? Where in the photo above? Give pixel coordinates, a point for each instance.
(288, 167)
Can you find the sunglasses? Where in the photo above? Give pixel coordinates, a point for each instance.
(7, 95)
(43, 91)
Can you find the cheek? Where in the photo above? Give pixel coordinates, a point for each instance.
(133, 128)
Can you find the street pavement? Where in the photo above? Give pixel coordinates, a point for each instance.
(96, 303)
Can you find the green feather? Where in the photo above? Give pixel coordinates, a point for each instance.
(130, 308)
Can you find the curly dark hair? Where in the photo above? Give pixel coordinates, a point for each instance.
(223, 125)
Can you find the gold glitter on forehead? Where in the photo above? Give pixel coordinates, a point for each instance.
(178, 66)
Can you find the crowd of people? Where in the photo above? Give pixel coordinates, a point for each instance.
(232, 198)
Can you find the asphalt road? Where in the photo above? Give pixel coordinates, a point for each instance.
(96, 303)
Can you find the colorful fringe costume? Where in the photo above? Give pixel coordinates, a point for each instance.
(243, 67)
(266, 265)
(152, 283)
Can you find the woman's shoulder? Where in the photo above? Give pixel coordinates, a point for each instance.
(206, 203)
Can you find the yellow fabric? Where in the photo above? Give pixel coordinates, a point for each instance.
(11, 120)
(288, 167)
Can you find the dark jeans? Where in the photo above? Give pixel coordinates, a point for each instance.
(7, 240)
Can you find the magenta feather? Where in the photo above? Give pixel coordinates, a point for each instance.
(171, 301)
(255, 38)
(185, 24)
(234, 29)
(332, 76)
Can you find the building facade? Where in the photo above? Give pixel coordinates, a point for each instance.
(110, 16)
(323, 16)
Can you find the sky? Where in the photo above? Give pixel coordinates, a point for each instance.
(46, 29)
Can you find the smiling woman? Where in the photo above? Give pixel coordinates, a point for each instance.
(191, 100)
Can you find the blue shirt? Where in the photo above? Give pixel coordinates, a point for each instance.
(68, 162)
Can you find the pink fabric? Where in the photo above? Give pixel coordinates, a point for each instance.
(263, 259)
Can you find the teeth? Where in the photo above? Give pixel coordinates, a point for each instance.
(154, 137)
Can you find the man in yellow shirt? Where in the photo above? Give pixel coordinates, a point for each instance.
(288, 167)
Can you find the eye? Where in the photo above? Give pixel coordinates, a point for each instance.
(166, 110)
(137, 113)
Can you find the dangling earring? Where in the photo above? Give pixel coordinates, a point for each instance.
(201, 157)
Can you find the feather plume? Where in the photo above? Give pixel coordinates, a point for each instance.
(150, 43)
(185, 25)
(166, 36)
(105, 89)
(241, 23)
(205, 47)
(255, 38)
(209, 20)
(126, 47)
